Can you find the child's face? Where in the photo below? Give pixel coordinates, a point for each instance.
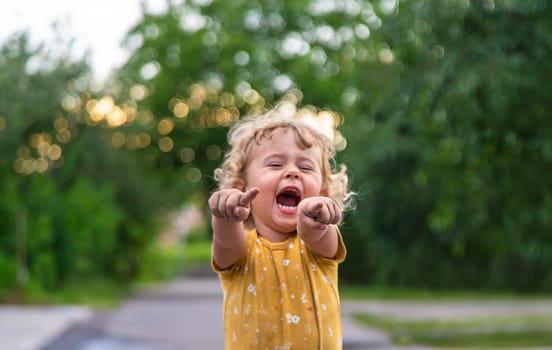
(285, 174)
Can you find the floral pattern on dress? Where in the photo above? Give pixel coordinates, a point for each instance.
(282, 296)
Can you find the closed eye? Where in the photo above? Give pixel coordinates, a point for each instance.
(306, 167)
(274, 165)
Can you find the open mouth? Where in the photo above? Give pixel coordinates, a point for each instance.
(288, 199)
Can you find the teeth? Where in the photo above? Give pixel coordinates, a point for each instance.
(288, 207)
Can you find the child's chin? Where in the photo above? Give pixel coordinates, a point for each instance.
(288, 225)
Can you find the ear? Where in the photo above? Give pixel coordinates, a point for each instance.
(239, 184)
(324, 192)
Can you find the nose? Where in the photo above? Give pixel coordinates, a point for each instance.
(292, 172)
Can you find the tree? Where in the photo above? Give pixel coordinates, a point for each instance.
(453, 195)
(202, 65)
(442, 143)
(70, 205)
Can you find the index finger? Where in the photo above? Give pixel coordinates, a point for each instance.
(314, 211)
(248, 196)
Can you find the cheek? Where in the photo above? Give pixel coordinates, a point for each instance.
(261, 201)
(316, 183)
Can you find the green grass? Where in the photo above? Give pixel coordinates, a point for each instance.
(504, 332)
(197, 253)
(168, 262)
(161, 264)
(98, 293)
(486, 333)
(353, 292)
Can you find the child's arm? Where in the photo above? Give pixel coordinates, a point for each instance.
(229, 209)
(316, 220)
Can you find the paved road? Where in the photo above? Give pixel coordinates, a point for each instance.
(30, 327)
(181, 315)
(187, 315)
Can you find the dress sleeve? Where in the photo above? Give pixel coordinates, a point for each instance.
(339, 255)
(236, 266)
(341, 249)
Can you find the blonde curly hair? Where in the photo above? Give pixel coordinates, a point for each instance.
(249, 131)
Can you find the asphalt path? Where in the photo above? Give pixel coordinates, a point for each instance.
(185, 314)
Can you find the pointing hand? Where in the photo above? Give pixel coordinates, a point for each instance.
(317, 212)
(232, 204)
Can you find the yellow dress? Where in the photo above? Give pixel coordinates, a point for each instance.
(282, 296)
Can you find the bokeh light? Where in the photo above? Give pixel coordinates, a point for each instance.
(326, 121)
(71, 103)
(40, 155)
(213, 152)
(166, 144)
(150, 70)
(118, 139)
(165, 126)
(138, 92)
(187, 155)
(194, 175)
(181, 109)
(106, 110)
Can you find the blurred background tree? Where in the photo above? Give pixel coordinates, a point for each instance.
(452, 189)
(70, 208)
(445, 112)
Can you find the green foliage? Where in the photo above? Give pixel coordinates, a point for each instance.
(72, 205)
(452, 190)
(446, 119)
(8, 271)
(44, 270)
(162, 262)
(203, 65)
(449, 102)
(198, 253)
(91, 228)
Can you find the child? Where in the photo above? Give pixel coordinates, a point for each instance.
(276, 245)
